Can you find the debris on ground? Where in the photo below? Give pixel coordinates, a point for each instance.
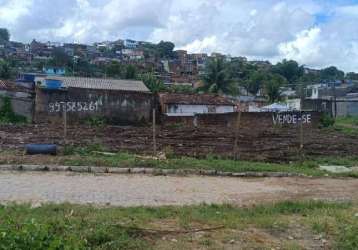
(336, 169)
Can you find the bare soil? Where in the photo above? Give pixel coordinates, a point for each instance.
(275, 145)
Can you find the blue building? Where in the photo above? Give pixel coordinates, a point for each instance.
(54, 71)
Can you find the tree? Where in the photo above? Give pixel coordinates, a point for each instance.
(273, 87)
(255, 82)
(130, 72)
(291, 70)
(352, 76)
(152, 83)
(309, 78)
(60, 58)
(114, 69)
(165, 49)
(217, 78)
(331, 74)
(4, 35)
(5, 70)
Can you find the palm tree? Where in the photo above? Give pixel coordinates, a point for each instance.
(273, 87)
(217, 78)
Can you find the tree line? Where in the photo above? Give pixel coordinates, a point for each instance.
(232, 77)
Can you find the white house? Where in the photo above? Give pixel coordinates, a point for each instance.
(191, 104)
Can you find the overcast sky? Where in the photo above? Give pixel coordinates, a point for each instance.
(317, 33)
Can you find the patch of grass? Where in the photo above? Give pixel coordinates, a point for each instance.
(85, 151)
(68, 226)
(308, 167)
(92, 156)
(347, 125)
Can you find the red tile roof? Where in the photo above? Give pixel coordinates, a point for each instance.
(6, 85)
(12, 86)
(194, 99)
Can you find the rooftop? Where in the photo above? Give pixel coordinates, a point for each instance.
(12, 86)
(98, 83)
(194, 99)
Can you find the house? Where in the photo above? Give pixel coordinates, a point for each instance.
(58, 71)
(122, 102)
(133, 54)
(130, 44)
(41, 50)
(250, 103)
(328, 91)
(192, 104)
(276, 107)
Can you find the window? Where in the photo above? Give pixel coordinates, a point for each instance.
(212, 109)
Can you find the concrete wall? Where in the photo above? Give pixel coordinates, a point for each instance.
(190, 110)
(347, 108)
(22, 103)
(251, 121)
(116, 107)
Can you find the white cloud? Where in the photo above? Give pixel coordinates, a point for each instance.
(270, 29)
(306, 48)
(207, 45)
(11, 10)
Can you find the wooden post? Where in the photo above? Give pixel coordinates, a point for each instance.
(154, 134)
(236, 143)
(65, 123)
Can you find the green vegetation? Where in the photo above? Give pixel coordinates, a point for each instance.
(93, 156)
(326, 121)
(152, 83)
(7, 115)
(217, 78)
(68, 226)
(5, 69)
(4, 35)
(347, 125)
(95, 121)
(273, 87)
(307, 167)
(290, 70)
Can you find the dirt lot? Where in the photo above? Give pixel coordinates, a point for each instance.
(275, 145)
(142, 190)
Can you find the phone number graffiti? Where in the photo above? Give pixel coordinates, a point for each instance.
(56, 107)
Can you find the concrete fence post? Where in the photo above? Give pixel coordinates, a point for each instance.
(154, 133)
(236, 142)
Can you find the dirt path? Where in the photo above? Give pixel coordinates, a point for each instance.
(138, 190)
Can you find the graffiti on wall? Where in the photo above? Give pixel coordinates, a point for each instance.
(56, 107)
(291, 118)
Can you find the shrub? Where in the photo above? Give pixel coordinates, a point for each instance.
(326, 121)
(95, 121)
(32, 235)
(7, 115)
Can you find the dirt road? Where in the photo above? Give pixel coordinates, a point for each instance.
(142, 190)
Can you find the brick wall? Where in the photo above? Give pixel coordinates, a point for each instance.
(116, 107)
(251, 121)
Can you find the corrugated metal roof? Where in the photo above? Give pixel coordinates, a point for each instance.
(99, 83)
(194, 99)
